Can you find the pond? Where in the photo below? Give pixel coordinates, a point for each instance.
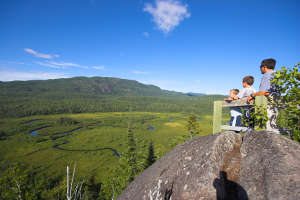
(33, 133)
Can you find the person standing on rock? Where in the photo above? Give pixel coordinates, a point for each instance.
(267, 89)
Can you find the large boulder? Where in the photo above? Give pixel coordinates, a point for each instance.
(224, 166)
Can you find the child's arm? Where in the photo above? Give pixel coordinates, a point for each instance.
(231, 98)
(235, 97)
(228, 99)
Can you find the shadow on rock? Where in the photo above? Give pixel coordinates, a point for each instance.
(168, 193)
(228, 190)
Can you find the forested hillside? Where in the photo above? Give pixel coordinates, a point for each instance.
(96, 94)
(78, 86)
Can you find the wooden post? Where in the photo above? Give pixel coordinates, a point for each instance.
(261, 101)
(217, 120)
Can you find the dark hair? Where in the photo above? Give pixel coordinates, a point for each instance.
(236, 90)
(269, 63)
(249, 80)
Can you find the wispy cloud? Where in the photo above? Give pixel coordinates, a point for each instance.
(47, 65)
(67, 64)
(98, 67)
(167, 14)
(61, 65)
(10, 75)
(139, 72)
(16, 62)
(146, 34)
(40, 55)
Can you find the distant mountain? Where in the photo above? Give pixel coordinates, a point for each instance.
(95, 94)
(82, 86)
(195, 94)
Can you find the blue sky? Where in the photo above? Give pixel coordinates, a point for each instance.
(204, 46)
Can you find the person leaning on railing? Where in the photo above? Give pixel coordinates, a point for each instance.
(266, 89)
(235, 112)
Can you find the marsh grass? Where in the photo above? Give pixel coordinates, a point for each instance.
(90, 132)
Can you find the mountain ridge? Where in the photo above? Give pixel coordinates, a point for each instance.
(86, 85)
(95, 94)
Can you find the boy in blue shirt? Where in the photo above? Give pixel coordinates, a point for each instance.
(267, 89)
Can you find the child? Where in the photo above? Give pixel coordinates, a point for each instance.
(245, 93)
(235, 112)
(248, 89)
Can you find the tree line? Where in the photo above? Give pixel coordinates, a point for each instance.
(22, 107)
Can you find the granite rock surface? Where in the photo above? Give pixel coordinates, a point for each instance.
(225, 166)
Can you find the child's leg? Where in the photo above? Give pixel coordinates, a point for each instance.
(272, 112)
(238, 120)
(231, 120)
(248, 117)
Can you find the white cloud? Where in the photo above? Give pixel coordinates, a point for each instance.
(139, 72)
(146, 34)
(16, 62)
(61, 65)
(67, 64)
(47, 65)
(10, 75)
(40, 55)
(98, 67)
(167, 14)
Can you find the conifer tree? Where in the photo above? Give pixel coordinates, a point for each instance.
(151, 156)
(92, 189)
(193, 126)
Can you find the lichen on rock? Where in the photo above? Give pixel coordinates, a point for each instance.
(256, 165)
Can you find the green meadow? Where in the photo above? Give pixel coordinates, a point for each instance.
(94, 141)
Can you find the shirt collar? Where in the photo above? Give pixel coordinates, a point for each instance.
(270, 72)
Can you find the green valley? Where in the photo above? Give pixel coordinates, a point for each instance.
(47, 125)
(93, 141)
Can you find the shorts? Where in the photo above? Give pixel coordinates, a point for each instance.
(236, 120)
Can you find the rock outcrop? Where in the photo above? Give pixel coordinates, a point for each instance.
(224, 166)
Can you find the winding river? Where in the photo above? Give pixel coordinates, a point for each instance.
(34, 132)
(57, 146)
(31, 121)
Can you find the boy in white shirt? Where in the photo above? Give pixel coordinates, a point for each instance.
(248, 89)
(245, 93)
(236, 112)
